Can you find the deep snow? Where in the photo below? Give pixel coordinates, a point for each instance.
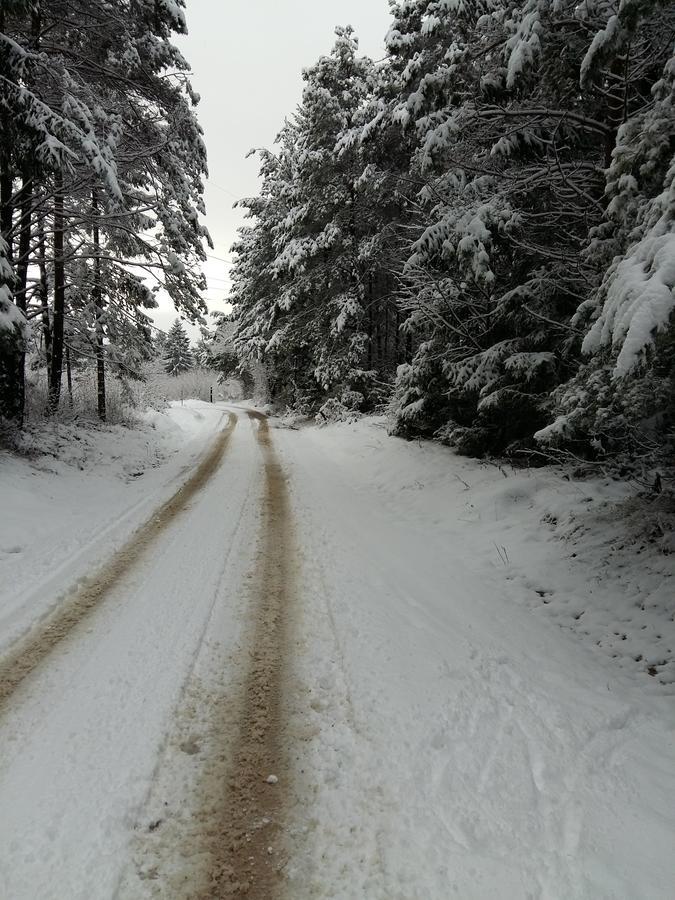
(452, 739)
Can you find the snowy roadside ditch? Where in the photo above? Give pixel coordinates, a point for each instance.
(76, 495)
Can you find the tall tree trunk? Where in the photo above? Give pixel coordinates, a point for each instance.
(13, 351)
(56, 368)
(10, 342)
(6, 199)
(387, 362)
(44, 295)
(99, 307)
(25, 200)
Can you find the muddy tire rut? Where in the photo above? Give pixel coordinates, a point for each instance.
(32, 649)
(214, 824)
(244, 845)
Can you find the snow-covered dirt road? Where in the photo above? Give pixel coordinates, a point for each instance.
(297, 682)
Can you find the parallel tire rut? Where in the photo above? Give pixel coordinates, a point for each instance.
(243, 845)
(32, 649)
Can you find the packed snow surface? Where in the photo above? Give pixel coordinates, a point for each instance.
(479, 700)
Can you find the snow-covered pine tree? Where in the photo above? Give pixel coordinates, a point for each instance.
(510, 158)
(306, 285)
(97, 116)
(177, 353)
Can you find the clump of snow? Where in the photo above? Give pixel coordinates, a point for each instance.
(11, 317)
(523, 46)
(600, 41)
(338, 410)
(640, 300)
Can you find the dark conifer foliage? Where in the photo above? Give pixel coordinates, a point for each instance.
(177, 355)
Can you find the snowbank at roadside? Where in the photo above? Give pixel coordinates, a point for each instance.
(587, 552)
(76, 493)
(449, 738)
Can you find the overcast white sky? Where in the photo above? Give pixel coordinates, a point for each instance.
(247, 59)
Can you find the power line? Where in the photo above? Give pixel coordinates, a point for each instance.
(223, 189)
(220, 259)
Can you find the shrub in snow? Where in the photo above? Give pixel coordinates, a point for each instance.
(352, 400)
(193, 384)
(335, 410)
(124, 399)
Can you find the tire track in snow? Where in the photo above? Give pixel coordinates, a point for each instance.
(30, 650)
(222, 837)
(243, 857)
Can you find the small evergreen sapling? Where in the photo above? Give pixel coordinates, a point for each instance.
(177, 353)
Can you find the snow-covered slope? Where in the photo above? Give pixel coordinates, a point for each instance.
(586, 552)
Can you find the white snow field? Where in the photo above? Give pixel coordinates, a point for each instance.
(450, 729)
(452, 742)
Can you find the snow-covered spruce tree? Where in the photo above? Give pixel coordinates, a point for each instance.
(177, 353)
(623, 397)
(511, 154)
(224, 357)
(255, 289)
(203, 352)
(308, 287)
